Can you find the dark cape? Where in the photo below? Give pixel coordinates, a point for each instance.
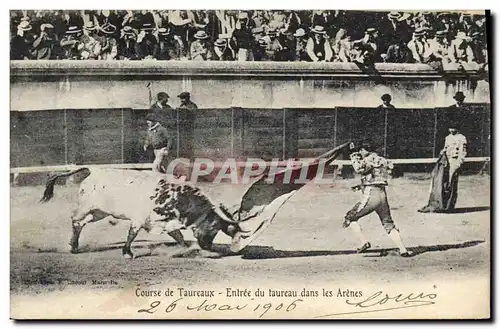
(443, 196)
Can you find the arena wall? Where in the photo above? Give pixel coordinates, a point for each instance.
(81, 113)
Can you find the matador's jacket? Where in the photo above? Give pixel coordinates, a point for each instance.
(375, 171)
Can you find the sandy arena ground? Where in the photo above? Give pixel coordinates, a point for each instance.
(306, 242)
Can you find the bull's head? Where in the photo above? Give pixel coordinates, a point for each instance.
(211, 223)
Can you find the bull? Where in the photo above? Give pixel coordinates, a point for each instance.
(149, 202)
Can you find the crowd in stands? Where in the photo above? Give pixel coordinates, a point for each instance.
(259, 35)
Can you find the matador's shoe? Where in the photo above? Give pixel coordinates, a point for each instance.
(364, 247)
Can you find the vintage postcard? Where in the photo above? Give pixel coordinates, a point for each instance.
(250, 164)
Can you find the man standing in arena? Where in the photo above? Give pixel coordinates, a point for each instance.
(455, 147)
(444, 184)
(158, 138)
(374, 171)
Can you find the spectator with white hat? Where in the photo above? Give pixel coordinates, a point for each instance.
(46, 45)
(222, 51)
(201, 50)
(91, 47)
(147, 44)
(419, 46)
(301, 46)
(460, 52)
(22, 42)
(318, 47)
(126, 44)
(109, 45)
(72, 43)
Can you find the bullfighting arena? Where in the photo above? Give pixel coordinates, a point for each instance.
(305, 244)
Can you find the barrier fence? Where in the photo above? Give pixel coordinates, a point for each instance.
(115, 136)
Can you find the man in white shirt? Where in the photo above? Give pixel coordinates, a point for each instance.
(455, 147)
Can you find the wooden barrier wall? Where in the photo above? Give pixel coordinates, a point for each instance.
(110, 136)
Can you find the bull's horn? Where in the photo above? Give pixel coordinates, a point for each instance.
(224, 216)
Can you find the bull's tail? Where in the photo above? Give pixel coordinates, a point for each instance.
(49, 186)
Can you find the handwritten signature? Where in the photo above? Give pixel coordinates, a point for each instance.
(399, 301)
(205, 306)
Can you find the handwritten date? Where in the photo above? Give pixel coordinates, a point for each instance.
(260, 309)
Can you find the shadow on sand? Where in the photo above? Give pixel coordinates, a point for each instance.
(464, 210)
(259, 252)
(265, 252)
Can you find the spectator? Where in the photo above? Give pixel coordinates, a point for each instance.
(274, 46)
(425, 21)
(72, 43)
(395, 30)
(145, 18)
(73, 18)
(109, 45)
(466, 25)
(419, 46)
(222, 51)
(444, 23)
(46, 45)
(59, 23)
(399, 52)
(166, 45)
(201, 50)
(21, 43)
(243, 39)
(260, 53)
(325, 19)
(343, 47)
(439, 47)
(110, 18)
(186, 102)
(277, 20)
(293, 22)
(147, 44)
(260, 19)
(90, 47)
(479, 52)
(89, 16)
(366, 48)
(460, 52)
(318, 47)
(386, 102)
(287, 41)
(236, 26)
(160, 18)
(301, 46)
(181, 22)
(126, 44)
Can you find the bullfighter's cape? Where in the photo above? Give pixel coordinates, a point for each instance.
(442, 196)
(264, 198)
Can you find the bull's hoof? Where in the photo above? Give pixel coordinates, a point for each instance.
(73, 249)
(128, 255)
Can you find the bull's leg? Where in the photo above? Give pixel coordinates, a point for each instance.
(132, 234)
(73, 243)
(178, 237)
(79, 220)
